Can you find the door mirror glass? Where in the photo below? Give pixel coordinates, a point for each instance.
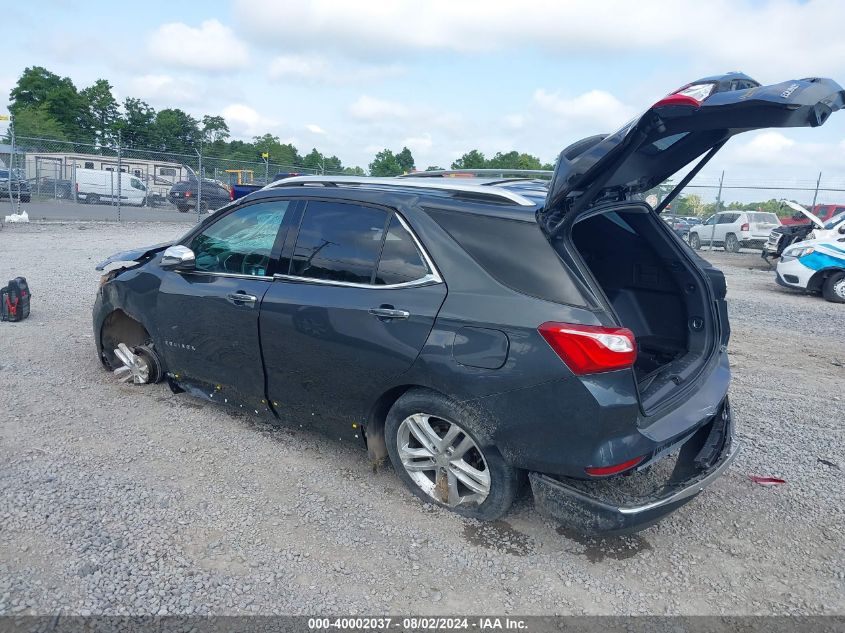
(178, 258)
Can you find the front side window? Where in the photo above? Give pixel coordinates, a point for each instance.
(338, 242)
(401, 260)
(240, 242)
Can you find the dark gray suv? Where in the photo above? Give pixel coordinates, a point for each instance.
(477, 332)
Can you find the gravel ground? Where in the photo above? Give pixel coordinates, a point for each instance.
(119, 499)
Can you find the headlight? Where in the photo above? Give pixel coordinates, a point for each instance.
(798, 251)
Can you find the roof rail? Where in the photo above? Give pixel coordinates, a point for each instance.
(484, 173)
(402, 183)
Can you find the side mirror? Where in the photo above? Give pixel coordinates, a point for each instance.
(178, 258)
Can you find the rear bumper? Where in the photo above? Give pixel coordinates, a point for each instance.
(703, 458)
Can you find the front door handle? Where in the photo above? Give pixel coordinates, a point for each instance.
(241, 298)
(389, 312)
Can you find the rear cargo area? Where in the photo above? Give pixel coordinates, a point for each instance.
(654, 291)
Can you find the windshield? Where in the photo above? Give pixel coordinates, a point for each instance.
(836, 219)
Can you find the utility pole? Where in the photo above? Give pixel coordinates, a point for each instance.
(119, 174)
(718, 207)
(199, 182)
(266, 157)
(816, 194)
(11, 166)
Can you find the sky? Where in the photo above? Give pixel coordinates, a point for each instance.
(443, 77)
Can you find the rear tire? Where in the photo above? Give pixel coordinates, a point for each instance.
(181, 208)
(694, 241)
(203, 207)
(92, 198)
(485, 485)
(834, 288)
(732, 244)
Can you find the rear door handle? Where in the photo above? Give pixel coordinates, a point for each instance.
(389, 313)
(241, 298)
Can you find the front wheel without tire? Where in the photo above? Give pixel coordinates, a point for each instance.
(834, 288)
(436, 448)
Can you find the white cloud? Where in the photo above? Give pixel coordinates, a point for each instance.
(245, 121)
(368, 108)
(314, 128)
(420, 144)
(595, 109)
(209, 47)
(514, 121)
(317, 69)
(166, 90)
(792, 38)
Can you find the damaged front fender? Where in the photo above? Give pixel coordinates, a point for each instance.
(132, 257)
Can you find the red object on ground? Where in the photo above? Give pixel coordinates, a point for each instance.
(766, 481)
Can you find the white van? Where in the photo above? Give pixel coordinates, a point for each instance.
(99, 185)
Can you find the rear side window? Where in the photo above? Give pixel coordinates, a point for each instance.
(338, 242)
(515, 253)
(763, 218)
(401, 260)
(728, 218)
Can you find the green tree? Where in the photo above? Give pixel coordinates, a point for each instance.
(214, 129)
(353, 171)
(433, 168)
(385, 163)
(60, 99)
(314, 160)
(405, 160)
(514, 160)
(101, 113)
(473, 159)
(37, 122)
(176, 131)
(137, 126)
(283, 154)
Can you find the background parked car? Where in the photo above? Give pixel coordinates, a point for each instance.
(814, 227)
(214, 195)
(19, 186)
(734, 230)
(679, 225)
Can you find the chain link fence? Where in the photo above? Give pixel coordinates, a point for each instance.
(194, 182)
(67, 172)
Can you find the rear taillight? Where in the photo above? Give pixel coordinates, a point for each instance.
(77, 187)
(188, 193)
(591, 349)
(677, 100)
(744, 227)
(603, 471)
(231, 194)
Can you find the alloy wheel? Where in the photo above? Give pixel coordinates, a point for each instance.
(443, 460)
(134, 368)
(839, 288)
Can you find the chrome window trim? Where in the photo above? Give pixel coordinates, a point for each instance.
(211, 273)
(433, 277)
(422, 281)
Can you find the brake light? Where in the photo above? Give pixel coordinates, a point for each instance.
(677, 100)
(77, 187)
(591, 349)
(690, 95)
(602, 471)
(232, 193)
(744, 227)
(188, 193)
